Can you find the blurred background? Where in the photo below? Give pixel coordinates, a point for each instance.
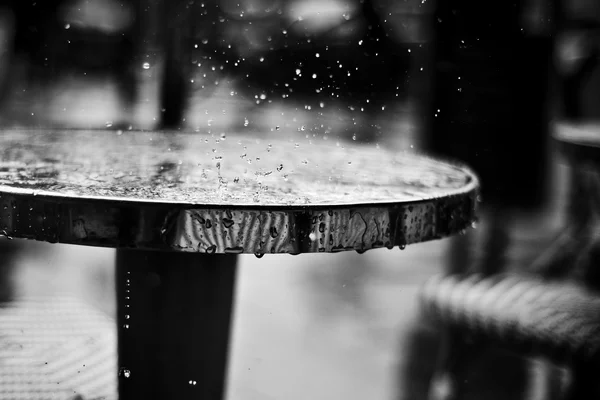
(476, 81)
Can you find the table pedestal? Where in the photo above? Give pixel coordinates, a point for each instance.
(174, 317)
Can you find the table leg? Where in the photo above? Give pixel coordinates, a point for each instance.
(174, 316)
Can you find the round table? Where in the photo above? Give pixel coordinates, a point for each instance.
(179, 207)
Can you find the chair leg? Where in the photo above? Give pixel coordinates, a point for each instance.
(420, 352)
(547, 380)
(478, 369)
(450, 379)
(497, 243)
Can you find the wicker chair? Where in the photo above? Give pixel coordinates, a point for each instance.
(551, 312)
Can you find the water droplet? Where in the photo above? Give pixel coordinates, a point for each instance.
(67, 26)
(259, 255)
(193, 383)
(273, 232)
(312, 236)
(127, 316)
(246, 122)
(280, 167)
(234, 250)
(146, 65)
(124, 372)
(211, 249)
(228, 223)
(126, 326)
(402, 246)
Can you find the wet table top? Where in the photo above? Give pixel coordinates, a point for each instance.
(225, 193)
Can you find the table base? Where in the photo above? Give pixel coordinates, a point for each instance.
(174, 317)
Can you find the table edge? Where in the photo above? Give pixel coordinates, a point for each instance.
(252, 229)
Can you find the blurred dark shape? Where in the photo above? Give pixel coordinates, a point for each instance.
(353, 57)
(489, 109)
(484, 312)
(58, 38)
(8, 254)
(491, 98)
(577, 56)
(574, 253)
